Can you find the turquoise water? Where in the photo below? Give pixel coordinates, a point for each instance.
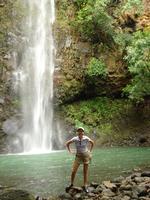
(49, 174)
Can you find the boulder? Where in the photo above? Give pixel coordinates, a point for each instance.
(108, 193)
(94, 184)
(126, 198)
(16, 195)
(146, 173)
(65, 196)
(125, 187)
(110, 185)
(11, 126)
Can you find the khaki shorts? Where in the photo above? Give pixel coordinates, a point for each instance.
(83, 158)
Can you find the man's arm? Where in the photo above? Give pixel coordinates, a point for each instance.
(92, 144)
(68, 145)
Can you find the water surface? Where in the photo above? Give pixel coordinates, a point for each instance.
(49, 174)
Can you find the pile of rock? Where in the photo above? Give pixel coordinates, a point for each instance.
(134, 187)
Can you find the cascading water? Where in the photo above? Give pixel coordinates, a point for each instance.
(36, 77)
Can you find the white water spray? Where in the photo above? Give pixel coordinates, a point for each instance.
(36, 77)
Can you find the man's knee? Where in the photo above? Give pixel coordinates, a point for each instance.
(74, 169)
(73, 172)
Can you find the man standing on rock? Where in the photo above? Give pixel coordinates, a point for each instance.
(83, 155)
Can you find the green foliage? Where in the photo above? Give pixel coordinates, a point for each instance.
(138, 58)
(96, 67)
(123, 39)
(136, 5)
(80, 3)
(64, 9)
(96, 114)
(93, 21)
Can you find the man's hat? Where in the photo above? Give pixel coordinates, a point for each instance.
(80, 128)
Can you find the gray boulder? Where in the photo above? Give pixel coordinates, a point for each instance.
(11, 126)
(16, 195)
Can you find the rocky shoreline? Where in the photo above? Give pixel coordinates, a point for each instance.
(133, 187)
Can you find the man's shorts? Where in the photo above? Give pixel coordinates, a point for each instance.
(83, 158)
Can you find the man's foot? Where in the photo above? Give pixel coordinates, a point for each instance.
(69, 187)
(85, 189)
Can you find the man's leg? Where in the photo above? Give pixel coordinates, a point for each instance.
(74, 171)
(85, 173)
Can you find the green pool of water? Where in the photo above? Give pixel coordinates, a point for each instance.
(49, 174)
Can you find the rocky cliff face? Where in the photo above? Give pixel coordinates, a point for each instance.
(74, 54)
(73, 85)
(10, 41)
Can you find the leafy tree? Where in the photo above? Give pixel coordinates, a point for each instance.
(138, 59)
(80, 3)
(93, 21)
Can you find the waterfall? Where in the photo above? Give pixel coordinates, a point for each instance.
(36, 69)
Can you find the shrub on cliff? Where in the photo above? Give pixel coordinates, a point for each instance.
(96, 67)
(133, 5)
(93, 21)
(138, 59)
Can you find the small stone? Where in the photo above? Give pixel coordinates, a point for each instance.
(127, 193)
(138, 179)
(108, 192)
(94, 184)
(117, 198)
(135, 175)
(110, 185)
(91, 194)
(118, 179)
(137, 169)
(126, 198)
(142, 192)
(77, 189)
(98, 190)
(77, 196)
(91, 189)
(105, 198)
(2, 101)
(2, 4)
(126, 187)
